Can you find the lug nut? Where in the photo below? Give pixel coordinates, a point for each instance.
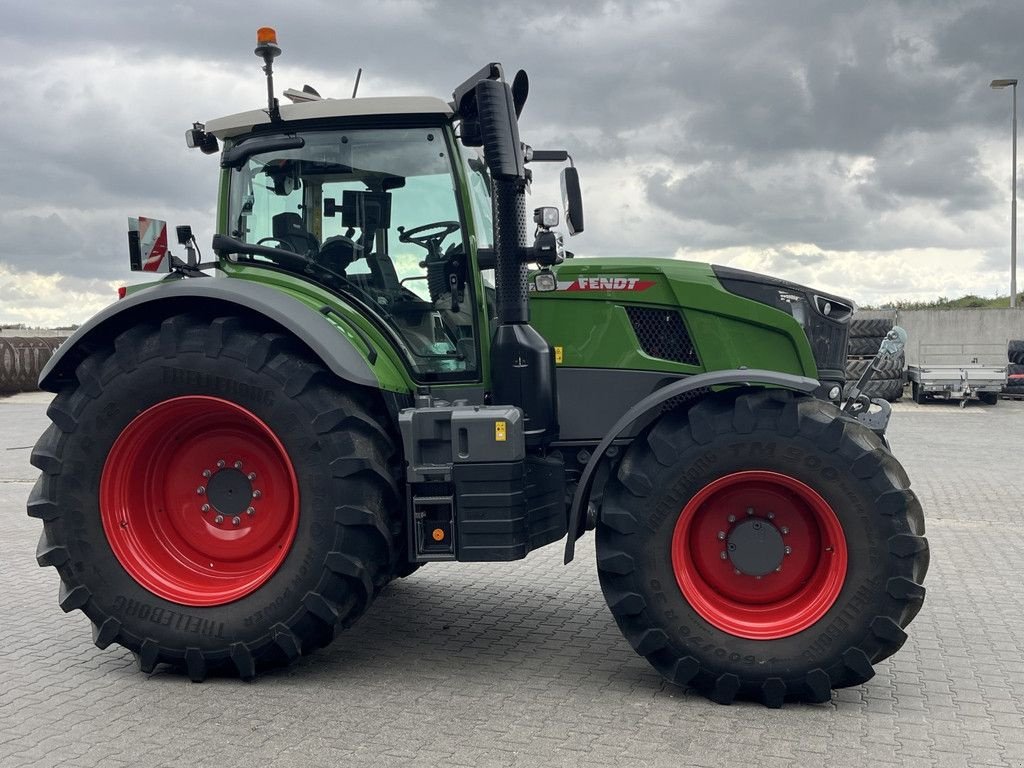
(204, 508)
(721, 535)
(238, 465)
(236, 520)
(731, 518)
(256, 494)
(250, 511)
(218, 519)
(789, 550)
(779, 569)
(783, 530)
(221, 463)
(724, 555)
(771, 515)
(251, 476)
(201, 490)
(750, 510)
(207, 473)
(736, 571)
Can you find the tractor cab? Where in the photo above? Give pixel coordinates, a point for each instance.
(372, 212)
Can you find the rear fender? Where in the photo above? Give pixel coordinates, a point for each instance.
(742, 377)
(220, 297)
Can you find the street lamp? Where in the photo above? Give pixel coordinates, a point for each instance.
(1013, 205)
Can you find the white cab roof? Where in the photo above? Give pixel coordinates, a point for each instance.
(243, 122)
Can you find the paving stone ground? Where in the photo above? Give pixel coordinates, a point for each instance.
(522, 665)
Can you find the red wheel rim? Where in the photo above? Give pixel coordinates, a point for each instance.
(199, 501)
(779, 603)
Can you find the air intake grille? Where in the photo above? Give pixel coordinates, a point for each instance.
(662, 334)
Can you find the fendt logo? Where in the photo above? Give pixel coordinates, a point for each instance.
(606, 284)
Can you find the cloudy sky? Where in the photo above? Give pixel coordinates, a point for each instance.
(855, 147)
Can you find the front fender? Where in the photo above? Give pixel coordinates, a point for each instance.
(167, 298)
(739, 376)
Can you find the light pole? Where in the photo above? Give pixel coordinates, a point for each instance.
(1013, 205)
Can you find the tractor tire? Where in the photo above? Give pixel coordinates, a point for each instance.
(1015, 351)
(1014, 369)
(886, 389)
(869, 328)
(865, 346)
(784, 487)
(888, 368)
(917, 394)
(174, 440)
(989, 398)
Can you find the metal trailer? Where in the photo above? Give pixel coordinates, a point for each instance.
(939, 373)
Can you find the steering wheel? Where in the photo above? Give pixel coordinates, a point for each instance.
(428, 236)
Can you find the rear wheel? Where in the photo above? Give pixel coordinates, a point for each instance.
(762, 547)
(989, 398)
(214, 500)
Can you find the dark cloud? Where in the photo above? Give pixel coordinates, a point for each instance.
(702, 124)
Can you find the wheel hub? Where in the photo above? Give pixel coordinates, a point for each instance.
(229, 491)
(755, 547)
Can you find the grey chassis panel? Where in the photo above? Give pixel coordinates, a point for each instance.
(655, 399)
(591, 400)
(308, 325)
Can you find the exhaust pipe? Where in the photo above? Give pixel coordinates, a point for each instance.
(522, 362)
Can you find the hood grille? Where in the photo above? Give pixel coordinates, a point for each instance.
(662, 334)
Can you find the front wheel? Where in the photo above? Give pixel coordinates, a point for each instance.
(213, 499)
(762, 547)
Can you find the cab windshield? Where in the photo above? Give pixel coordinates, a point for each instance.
(375, 216)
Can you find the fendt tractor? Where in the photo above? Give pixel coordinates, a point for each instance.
(380, 369)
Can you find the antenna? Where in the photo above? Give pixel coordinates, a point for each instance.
(266, 47)
(355, 87)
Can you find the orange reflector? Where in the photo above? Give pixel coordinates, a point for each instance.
(122, 291)
(438, 534)
(266, 35)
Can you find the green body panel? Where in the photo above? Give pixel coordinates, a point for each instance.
(590, 324)
(388, 367)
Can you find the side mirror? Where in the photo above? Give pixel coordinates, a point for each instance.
(572, 200)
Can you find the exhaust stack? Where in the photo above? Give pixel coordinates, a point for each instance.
(522, 362)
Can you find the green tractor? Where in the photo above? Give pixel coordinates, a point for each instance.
(374, 378)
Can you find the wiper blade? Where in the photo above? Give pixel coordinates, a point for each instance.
(236, 156)
(223, 245)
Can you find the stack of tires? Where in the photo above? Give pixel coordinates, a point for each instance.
(21, 361)
(866, 336)
(1015, 369)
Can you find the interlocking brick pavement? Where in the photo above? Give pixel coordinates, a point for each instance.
(497, 665)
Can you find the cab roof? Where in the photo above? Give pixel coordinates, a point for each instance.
(243, 122)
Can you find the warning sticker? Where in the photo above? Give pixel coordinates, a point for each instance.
(147, 245)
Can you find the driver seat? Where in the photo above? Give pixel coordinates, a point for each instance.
(289, 229)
